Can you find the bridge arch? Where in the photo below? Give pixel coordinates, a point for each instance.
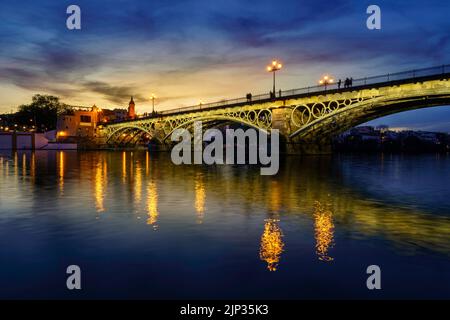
(258, 124)
(341, 120)
(113, 134)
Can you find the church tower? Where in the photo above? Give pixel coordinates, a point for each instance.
(131, 111)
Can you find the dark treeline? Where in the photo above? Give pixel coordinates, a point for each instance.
(40, 114)
(406, 141)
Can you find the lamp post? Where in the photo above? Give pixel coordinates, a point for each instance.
(326, 80)
(274, 67)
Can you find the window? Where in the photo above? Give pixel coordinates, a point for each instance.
(85, 119)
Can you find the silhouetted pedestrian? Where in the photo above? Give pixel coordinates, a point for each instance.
(280, 93)
(351, 82)
(339, 83)
(346, 82)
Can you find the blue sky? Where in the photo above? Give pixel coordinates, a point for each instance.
(195, 50)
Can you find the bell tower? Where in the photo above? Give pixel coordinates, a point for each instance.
(131, 110)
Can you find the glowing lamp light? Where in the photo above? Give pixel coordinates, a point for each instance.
(326, 80)
(274, 67)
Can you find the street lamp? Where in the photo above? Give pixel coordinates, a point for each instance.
(326, 80)
(274, 67)
(153, 103)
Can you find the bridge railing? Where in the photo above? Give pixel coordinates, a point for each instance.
(386, 78)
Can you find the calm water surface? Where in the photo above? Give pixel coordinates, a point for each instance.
(141, 227)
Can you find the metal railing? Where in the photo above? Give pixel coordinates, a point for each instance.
(386, 78)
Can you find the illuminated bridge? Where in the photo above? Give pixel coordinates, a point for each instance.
(308, 118)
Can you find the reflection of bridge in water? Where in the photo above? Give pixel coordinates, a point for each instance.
(144, 182)
(307, 118)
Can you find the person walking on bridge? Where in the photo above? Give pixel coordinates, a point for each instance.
(346, 83)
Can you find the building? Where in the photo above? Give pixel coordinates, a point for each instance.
(431, 137)
(78, 123)
(83, 122)
(382, 128)
(361, 130)
(114, 115)
(131, 109)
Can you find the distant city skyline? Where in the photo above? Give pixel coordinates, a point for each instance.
(195, 50)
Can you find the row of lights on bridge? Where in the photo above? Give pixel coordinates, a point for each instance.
(272, 67)
(276, 65)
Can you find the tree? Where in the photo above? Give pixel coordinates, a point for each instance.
(41, 112)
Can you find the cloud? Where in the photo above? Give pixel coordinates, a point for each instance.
(202, 49)
(112, 93)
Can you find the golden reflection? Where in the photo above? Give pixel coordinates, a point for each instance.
(100, 185)
(138, 184)
(324, 231)
(271, 244)
(61, 171)
(200, 196)
(152, 205)
(24, 164)
(275, 196)
(131, 165)
(124, 166)
(16, 164)
(147, 163)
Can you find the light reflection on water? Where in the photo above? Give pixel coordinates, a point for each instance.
(271, 244)
(152, 204)
(316, 210)
(200, 194)
(324, 231)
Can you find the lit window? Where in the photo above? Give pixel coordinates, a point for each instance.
(85, 119)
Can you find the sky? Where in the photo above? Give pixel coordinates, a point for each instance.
(208, 50)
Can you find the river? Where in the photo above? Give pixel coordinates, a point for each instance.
(139, 226)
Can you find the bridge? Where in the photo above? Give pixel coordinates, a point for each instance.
(307, 118)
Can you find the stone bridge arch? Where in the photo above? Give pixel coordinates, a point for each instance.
(262, 121)
(114, 132)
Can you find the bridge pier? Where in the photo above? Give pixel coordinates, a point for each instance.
(295, 146)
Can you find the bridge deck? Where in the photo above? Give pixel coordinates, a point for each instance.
(436, 73)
